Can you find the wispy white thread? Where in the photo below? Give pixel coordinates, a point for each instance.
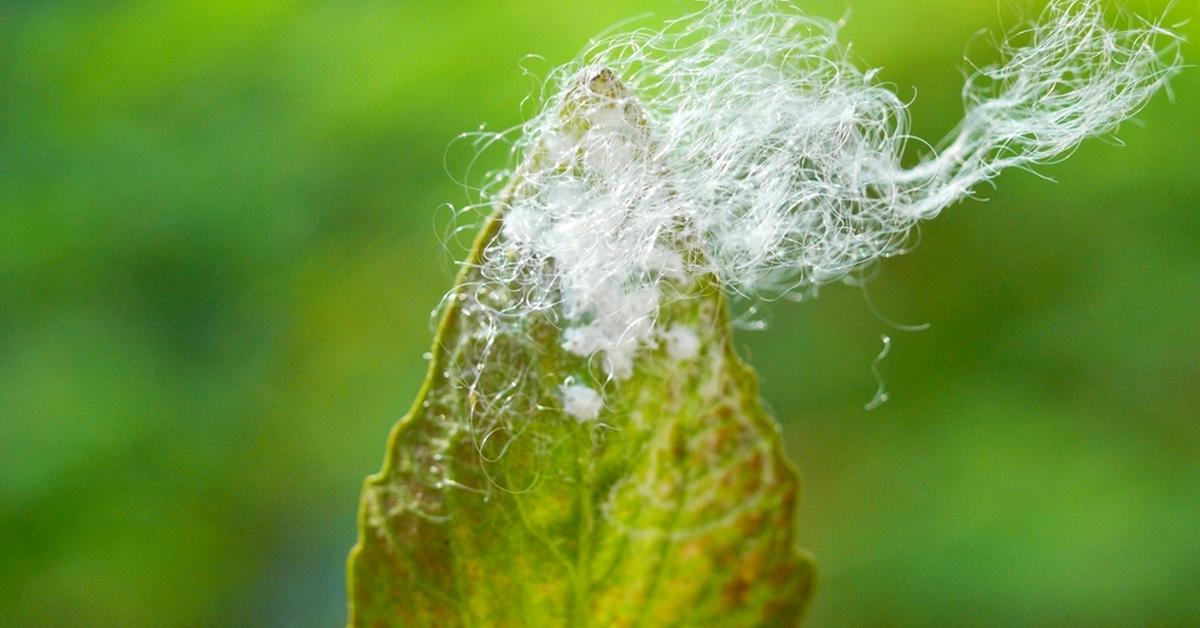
(745, 133)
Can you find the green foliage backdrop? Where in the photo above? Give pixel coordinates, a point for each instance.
(219, 248)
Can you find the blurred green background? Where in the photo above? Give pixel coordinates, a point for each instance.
(219, 225)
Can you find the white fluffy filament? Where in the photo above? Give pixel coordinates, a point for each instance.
(744, 133)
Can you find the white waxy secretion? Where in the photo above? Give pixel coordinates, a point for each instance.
(581, 402)
(742, 143)
(682, 343)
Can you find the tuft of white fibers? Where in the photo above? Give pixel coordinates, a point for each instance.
(741, 142)
(581, 402)
(682, 343)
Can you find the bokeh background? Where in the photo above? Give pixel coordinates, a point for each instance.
(219, 249)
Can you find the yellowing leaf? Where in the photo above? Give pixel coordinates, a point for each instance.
(504, 502)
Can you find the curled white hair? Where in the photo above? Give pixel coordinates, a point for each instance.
(746, 132)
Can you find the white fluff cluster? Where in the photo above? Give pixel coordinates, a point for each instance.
(742, 142)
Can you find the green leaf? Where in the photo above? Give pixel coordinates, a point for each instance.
(495, 507)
